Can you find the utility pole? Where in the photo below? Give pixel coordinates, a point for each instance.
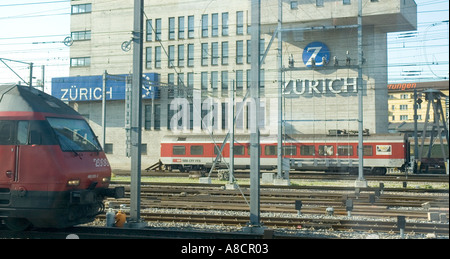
(360, 182)
(280, 92)
(136, 116)
(254, 223)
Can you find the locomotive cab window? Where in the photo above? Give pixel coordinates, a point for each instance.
(74, 135)
(196, 150)
(7, 133)
(179, 150)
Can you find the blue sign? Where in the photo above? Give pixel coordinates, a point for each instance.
(90, 88)
(316, 54)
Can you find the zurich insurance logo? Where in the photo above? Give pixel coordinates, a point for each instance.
(316, 54)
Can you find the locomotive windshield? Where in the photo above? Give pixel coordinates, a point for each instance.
(74, 135)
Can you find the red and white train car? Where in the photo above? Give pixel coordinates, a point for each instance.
(306, 152)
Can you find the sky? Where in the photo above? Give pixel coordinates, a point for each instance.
(33, 31)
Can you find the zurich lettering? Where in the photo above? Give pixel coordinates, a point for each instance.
(84, 94)
(321, 86)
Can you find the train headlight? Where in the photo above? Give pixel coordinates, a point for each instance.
(73, 182)
(106, 179)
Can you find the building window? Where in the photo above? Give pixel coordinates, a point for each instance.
(190, 55)
(319, 2)
(171, 55)
(148, 117)
(239, 79)
(404, 96)
(191, 27)
(181, 27)
(224, 80)
(393, 107)
(294, 5)
(403, 117)
(149, 34)
(224, 24)
(81, 35)
(225, 53)
(239, 52)
(204, 80)
(393, 118)
(157, 117)
(143, 149)
(204, 54)
(204, 25)
(215, 53)
(158, 57)
(158, 29)
(346, 2)
(214, 80)
(240, 23)
(215, 25)
(80, 62)
(81, 8)
(171, 28)
(181, 55)
(148, 57)
(403, 107)
(109, 148)
(171, 86)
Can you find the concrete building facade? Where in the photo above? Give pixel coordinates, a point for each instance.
(200, 49)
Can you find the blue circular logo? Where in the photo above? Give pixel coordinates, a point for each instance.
(316, 54)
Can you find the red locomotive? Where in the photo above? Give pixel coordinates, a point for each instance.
(53, 171)
(306, 152)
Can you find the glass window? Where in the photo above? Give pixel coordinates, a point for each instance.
(181, 55)
(204, 54)
(158, 29)
(289, 150)
(239, 52)
(149, 34)
(205, 25)
(345, 151)
(74, 135)
(224, 24)
(215, 25)
(240, 23)
(7, 132)
(319, 2)
(190, 55)
(171, 55)
(225, 53)
(307, 150)
(215, 53)
(270, 150)
(204, 80)
(171, 28)
(81, 35)
(158, 57)
(196, 150)
(239, 79)
(80, 62)
(191, 27)
(179, 150)
(181, 27)
(239, 150)
(325, 150)
(224, 80)
(214, 80)
(148, 57)
(81, 8)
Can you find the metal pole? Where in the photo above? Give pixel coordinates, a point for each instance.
(280, 92)
(361, 182)
(43, 77)
(416, 137)
(136, 118)
(231, 122)
(104, 110)
(31, 75)
(254, 126)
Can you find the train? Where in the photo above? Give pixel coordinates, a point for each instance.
(53, 171)
(330, 153)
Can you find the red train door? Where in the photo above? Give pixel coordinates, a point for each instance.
(8, 153)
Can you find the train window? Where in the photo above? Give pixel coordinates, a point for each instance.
(239, 150)
(217, 149)
(289, 150)
(22, 133)
(196, 150)
(307, 150)
(179, 150)
(270, 150)
(345, 150)
(7, 132)
(326, 150)
(367, 151)
(74, 135)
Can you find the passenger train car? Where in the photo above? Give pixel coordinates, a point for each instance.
(53, 172)
(306, 152)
